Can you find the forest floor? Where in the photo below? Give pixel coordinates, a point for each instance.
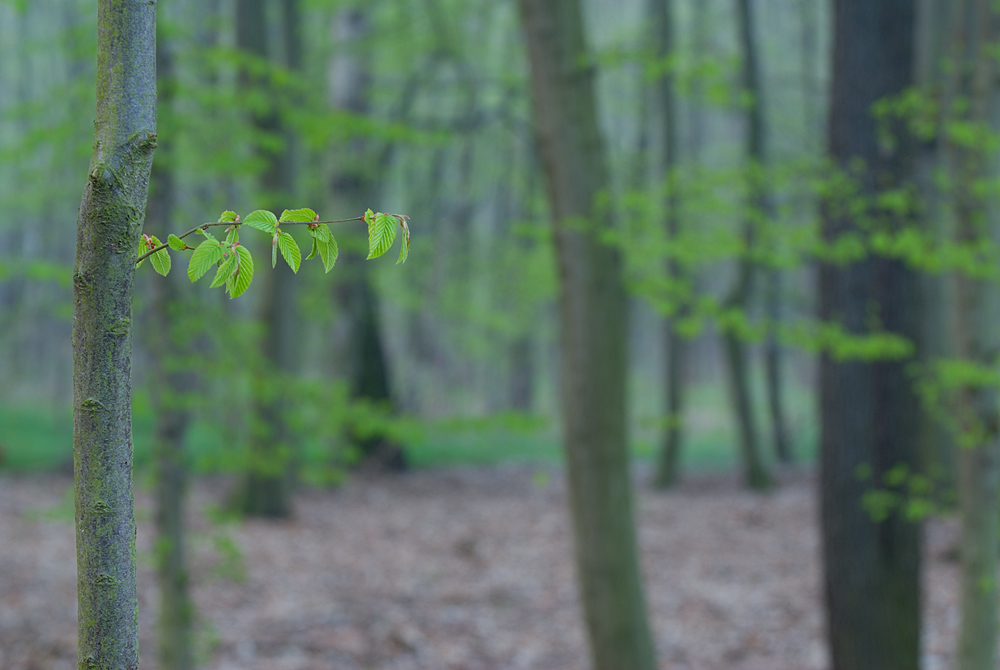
(465, 569)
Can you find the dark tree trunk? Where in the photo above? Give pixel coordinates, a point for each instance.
(266, 491)
(166, 330)
(662, 14)
(108, 230)
(353, 189)
(869, 412)
(592, 319)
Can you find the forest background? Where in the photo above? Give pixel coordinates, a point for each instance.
(734, 227)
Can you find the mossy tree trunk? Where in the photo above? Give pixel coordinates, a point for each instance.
(109, 226)
(592, 325)
(167, 315)
(869, 411)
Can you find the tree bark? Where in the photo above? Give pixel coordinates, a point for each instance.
(661, 13)
(266, 490)
(169, 385)
(977, 309)
(869, 412)
(108, 230)
(592, 320)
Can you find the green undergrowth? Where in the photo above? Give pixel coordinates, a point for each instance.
(37, 439)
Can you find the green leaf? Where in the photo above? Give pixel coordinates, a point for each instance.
(176, 243)
(208, 235)
(328, 252)
(261, 219)
(240, 281)
(274, 250)
(205, 256)
(381, 233)
(161, 259)
(228, 217)
(304, 215)
(143, 248)
(290, 251)
(225, 270)
(404, 250)
(321, 232)
(312, 250)
(233, 236)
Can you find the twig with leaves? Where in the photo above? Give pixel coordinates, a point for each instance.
(234, 262)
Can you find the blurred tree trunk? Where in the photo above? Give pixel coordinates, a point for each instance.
(353, 189)
(742, 290)
(266, 488)
(169, 386)
(592, 317)
(869, 411)
(661, 13)
(978, 308)
(108, 232)
(935, 19)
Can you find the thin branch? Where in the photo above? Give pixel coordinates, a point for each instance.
(205, 226)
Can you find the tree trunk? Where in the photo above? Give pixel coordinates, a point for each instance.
(353, 189)
(869, 412)
(741, 293)
(109, 226)
(166, 316)
(266, 490)
(592, 311)
(978, 308)
(662, 18)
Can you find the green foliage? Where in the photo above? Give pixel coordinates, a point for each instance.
(233, 261)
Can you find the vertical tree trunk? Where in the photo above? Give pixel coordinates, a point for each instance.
(166, 315)
(266, 489)
(978, 308)
(353, 189)
(743, 286)
(662, 14)
(110, 222)
(869, 412)
(592, 310)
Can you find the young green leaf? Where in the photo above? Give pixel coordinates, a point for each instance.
(328, 252)
(304, 215)
(239, 281)
(321, 232)
(160, 260)
(176, 243)
(312, 249)
(233, 236)
(404, 249)
(381, 233)
(262, 219)
(208, 235)
(205, 256)
(274, 250)
(228, 217)
(290, 251)
(226, 269)
(143, 248)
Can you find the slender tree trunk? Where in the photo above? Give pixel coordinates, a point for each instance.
(109, 226)
(743, 287)
(592, 311)
(266, 490)
(869, 412)
(978, 307)
(166, 315)
(662, 14)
